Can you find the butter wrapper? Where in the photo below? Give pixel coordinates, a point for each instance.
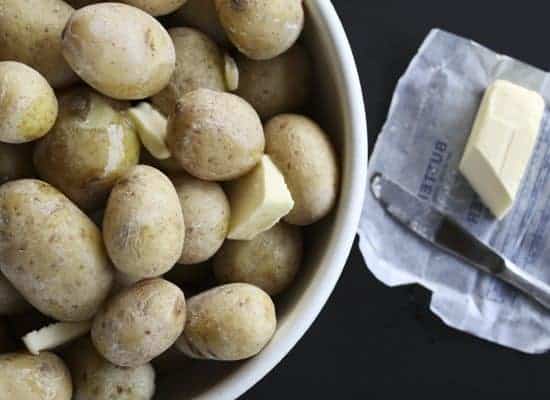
(420, 148)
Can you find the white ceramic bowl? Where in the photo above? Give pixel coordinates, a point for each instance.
(340, 110)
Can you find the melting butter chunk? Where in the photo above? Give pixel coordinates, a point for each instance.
(55, 335)
(151, 127)
(501, 143)
(258, 201)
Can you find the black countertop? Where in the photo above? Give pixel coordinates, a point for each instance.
(395, 347)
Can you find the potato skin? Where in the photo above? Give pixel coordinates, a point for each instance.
(28, 106)
(276, 86)
(269, 261)
(143, 226)
(228, 323)
(199, 64)
(261, 29)
(140, 323)
(30, 32)
(27, 377)
(95, 378)
(11, 302)
(15, 162)
(156, 7)
(119, 50)
(206, 212)
(202, 15)
(90, 147)
(51, 251)
(305, 156)
(215, 136)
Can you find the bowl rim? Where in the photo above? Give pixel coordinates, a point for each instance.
(354, 178)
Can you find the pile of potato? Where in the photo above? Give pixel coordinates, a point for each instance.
(137, 162)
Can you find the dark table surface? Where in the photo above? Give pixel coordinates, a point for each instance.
(395, 347)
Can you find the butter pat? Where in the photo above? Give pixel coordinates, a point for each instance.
(258, 201)
(501, 143)
(151, 126)
(55, 335)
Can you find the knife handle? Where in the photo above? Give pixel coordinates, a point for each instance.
(535, 288)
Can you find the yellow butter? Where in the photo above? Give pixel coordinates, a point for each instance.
(258, 201)
(501, 143)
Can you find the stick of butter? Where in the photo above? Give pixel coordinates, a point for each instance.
(501, 143)
(258, 201)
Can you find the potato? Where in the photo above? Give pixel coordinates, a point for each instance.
(119, 50)
(261, 29)
(228, 323)
(202, 15)
(51, 251)
(30, 32)
(199, 64)
(11, 302)
(215, 136)
(95, 378)
(90, 147)
(28, 106)
(156, 7)
(140, 323)
(6, 342)
(206, 213)
(269, 261)
(305, 156)
(27, 377)
(276, 86)
(15, 162)
(143, 226)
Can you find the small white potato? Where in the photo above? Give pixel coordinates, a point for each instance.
(95, 378)
(228, 323)
(51, 252)
(261, 29)
(305, 156)
(215, 136)
(206, 213)
(119, 50)
(143, 225)
(89, 148)
(30, 33)
(140, 323)
(28, 106)
(276, 86)
(27, 377)
(199, 64)
(269, 261)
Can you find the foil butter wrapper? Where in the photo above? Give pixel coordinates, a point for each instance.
(420, 147)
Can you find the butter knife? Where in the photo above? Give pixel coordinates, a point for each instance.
(428, 223)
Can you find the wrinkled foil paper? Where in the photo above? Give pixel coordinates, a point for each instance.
(420, 147)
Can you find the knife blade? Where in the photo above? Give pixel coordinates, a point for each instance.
(428, 223)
